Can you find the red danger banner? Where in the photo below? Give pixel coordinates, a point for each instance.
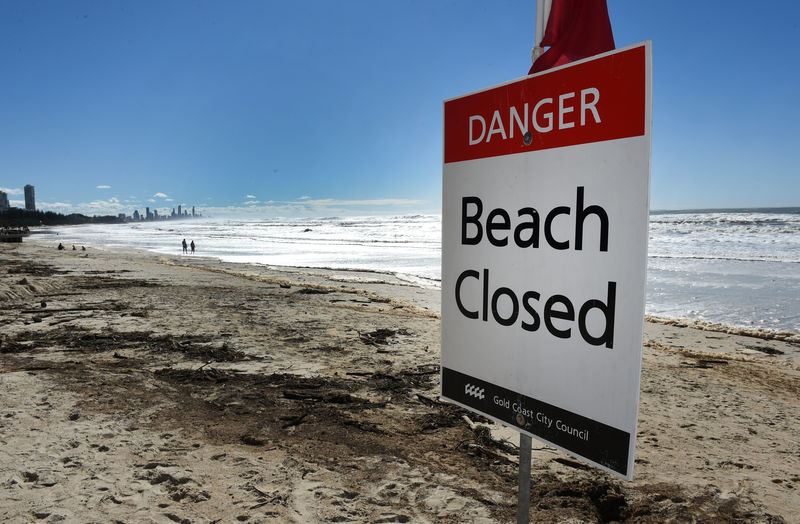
(574, 105)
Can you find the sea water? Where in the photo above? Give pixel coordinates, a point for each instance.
(735, 267)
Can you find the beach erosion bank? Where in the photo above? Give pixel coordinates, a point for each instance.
(150, 387)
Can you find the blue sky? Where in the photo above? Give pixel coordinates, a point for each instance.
(329, 108)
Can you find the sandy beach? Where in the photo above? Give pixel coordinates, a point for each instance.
(145, 388)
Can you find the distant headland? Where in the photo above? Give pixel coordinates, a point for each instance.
(15, 217)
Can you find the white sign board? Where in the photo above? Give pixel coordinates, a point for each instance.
(544, 252)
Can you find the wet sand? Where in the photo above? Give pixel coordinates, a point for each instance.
(144, 388)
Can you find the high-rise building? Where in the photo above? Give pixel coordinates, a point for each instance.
(179, 210)
(136, 215)
(4, 201)
(192, 210)
(147, 215)
(30, 198)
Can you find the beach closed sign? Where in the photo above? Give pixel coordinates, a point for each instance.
(544, 251)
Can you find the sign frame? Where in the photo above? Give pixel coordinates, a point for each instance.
(536, 200)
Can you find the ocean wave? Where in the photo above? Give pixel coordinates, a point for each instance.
(738, 255)
(762, 333)
(730, 222)
(793, 210)
(763, 258)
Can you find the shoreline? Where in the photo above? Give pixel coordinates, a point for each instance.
(718, 310)
(433, 300)
(145, 387)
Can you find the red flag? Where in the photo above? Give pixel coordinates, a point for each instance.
(575, 29)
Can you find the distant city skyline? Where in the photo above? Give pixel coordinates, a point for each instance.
(30, 198)
(29, 204)
(262, 109)
(4, 203)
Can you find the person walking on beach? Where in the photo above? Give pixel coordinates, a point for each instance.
(192, 245)
(184, 245)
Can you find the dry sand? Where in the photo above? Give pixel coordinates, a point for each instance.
(144, 388)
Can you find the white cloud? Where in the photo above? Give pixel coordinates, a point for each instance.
(102, 207)
(254, 209)
(251, 197)
(11, 191)
(332, 202)
(96, 207)
(169, 199)
(16, 203)
(304, 197)
(103, 187)
(61, 207)
(160, 195)
(321, 207)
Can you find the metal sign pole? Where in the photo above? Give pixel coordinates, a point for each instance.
(524, 494)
